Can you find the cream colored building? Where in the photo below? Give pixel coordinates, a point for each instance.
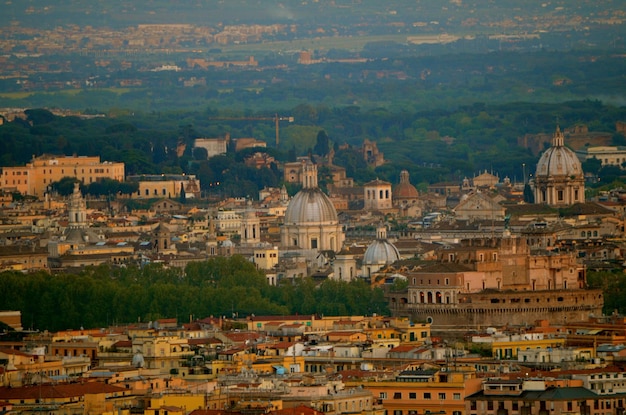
(213, 146)
(227, 222)
(35, 178)
(608, 155)
(153, 186)
(378, 195)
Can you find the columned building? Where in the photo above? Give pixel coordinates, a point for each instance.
(250, 227)
(559, 179)
(311, 220)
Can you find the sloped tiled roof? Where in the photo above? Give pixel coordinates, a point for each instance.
(65, 391)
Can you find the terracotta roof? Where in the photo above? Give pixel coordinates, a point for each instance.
(69, 390)
(403, 348)
(204, 340)
(281, 345)
(343, 333)
(240, 337)
(300, 410)
(281, 318)
(15, 352)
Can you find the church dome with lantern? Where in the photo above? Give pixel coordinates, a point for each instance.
(559, 178)
(404, 189)
(311, 220)
(379, 253)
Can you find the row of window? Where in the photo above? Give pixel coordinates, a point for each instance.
(382, 194)
(427, 395)
(156, 192)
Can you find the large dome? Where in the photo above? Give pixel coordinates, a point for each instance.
(559, 178)
(381, 252)
(558, 160)
(310, 206)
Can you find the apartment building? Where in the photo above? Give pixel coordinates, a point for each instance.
(423, 390)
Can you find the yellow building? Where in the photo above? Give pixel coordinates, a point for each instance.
(185, 403)
(509, 349)
(266, 258)
(34, 178)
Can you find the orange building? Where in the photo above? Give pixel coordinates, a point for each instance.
(34, 178)
(423, 390)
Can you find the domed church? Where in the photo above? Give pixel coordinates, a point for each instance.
(559, 179)
(379, 253)
(311, 220)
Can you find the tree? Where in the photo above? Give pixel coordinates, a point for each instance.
(183, 196)
(529, 197)
(65, 186)
(106, 187)
(200, 153)
(39, 116)
(322, 145)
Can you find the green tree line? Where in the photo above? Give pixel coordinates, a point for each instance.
(102, 296)
(433, 145)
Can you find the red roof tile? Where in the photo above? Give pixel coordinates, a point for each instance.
(58, 391)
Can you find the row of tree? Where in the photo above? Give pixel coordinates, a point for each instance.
(102, 296)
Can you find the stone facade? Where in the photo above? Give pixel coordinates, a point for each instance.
(494, 283)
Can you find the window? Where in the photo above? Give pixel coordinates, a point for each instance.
(442, 395)
(397, 395)
(383, 395)
(426, 395)
(457, 396)
(412, 395)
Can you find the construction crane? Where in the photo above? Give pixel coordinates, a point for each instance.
(276, 118)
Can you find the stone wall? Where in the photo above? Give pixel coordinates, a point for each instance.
(500, 308)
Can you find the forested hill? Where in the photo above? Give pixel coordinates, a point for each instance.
(433, 145)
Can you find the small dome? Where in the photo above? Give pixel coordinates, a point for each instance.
(404, 189)
(558, 160)
(381, 251)
(310, 206)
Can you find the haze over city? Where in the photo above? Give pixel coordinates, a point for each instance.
(312, 207)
